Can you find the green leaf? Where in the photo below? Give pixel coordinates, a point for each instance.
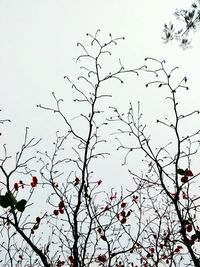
(181, 171)
(12, 199)
(20, 206)
(7, 200)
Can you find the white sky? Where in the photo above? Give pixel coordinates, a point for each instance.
(37, 46)
(38, 43)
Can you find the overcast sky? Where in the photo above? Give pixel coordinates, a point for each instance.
(38, 44)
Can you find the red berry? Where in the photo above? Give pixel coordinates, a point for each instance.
(184, 179)
(61, 205)
(178, 248)
(123, 204)
(56, 212)
(123, 221)
(99, 182)
(60, 263)
(99, 230)
(34, 179)
(102, 258)
(77, 180)
(152, 250)
(189, 173)
(33, 184)
(184, 195)
(71, 259)
(189, 228)
(16, 186)
(123, 213)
